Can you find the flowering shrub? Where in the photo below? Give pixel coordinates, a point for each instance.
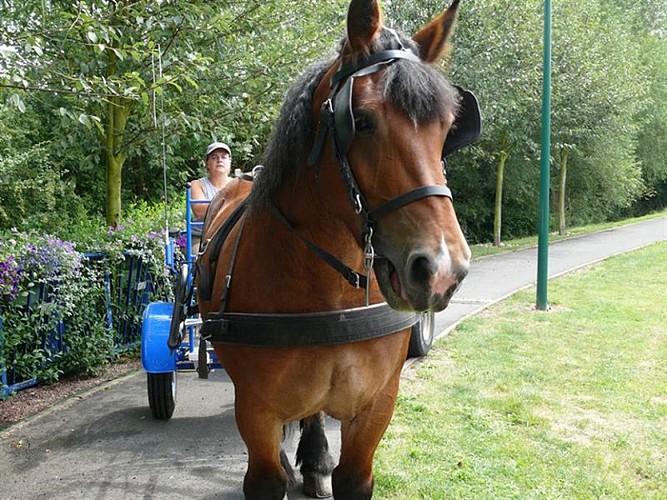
(55, 301)
(49, 286)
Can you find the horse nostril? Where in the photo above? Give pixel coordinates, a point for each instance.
(421, 268)
(461, 272)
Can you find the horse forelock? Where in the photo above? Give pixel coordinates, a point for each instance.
(417, 89)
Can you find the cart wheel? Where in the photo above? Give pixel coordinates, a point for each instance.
(421, 338)
(202, 361)
(162, 394)
(180, 308)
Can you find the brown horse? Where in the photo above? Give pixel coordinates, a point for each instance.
(352, 180)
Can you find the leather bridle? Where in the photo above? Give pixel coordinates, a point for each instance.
(337, 119)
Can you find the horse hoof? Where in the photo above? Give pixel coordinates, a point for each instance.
(317, 486)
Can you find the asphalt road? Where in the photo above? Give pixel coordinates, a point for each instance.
(105, 444)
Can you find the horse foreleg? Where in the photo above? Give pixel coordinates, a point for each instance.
(314, 457)
(265, 478)
(352, 479)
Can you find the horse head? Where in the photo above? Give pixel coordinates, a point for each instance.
(390, 115)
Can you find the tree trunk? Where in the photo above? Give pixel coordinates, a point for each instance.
(118, 112)
(561, 194)
(498, 213)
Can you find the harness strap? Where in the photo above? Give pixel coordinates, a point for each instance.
(348, 70)
(324, 125)
(409, 197)
(353, 278)
(214, 245)
(306, 329)
(232, 263)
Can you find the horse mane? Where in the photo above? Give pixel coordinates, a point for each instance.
(419, 90)
(292, 135)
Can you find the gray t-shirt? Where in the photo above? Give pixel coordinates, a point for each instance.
(209, 193)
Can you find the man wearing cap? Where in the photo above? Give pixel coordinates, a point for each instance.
(218, 165)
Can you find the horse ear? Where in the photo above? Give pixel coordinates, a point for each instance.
(364, 20)
(433, 37)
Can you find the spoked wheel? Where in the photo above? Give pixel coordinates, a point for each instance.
(180, 309)
(422, 335)
(162, 394)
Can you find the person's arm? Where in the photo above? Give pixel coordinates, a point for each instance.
(197, 193)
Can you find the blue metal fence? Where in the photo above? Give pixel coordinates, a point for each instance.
(127, 291)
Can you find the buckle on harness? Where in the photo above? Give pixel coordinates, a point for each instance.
(214, 326)
(358, 207)
(369, 258)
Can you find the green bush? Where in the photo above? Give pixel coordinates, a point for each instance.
(54, 299)
(33, 195)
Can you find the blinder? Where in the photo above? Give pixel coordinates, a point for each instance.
(467, 125)
(344, 121)
(344, 116)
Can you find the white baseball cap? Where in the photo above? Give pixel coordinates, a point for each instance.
(217, 145)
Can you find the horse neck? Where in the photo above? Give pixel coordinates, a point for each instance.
(298, 268)
(307, 204)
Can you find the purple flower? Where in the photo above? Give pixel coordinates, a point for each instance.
(10, 276)
(181, 241)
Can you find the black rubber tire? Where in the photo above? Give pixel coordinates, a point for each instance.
(421, 338)
(162, 394)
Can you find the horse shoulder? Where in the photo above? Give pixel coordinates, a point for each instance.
(224, 203)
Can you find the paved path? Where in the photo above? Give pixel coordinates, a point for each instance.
(105, 445)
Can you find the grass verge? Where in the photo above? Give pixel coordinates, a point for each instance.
(519, 403)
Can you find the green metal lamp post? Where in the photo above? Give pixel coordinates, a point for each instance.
(543, 234)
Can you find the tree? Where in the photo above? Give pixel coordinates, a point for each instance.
(497, 55)
(109, 65)
(594, 132)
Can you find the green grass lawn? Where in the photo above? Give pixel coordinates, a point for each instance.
(519, 403)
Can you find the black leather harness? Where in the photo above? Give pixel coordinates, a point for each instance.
(306, 329)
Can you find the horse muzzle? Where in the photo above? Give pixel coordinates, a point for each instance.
(422, 280)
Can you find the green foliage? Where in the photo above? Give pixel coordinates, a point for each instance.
(34, 194)
(36, 190)
(652, 136)
(187, 73)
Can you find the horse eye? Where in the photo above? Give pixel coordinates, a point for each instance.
(363, 122)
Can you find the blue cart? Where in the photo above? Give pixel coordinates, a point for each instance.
(169, 334)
